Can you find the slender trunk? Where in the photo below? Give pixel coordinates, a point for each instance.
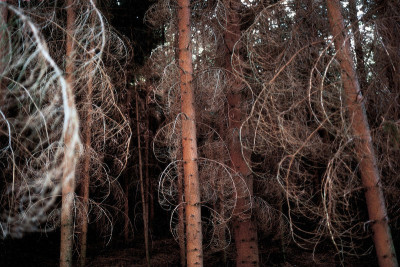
(245, 231)
(86, 171)
(87, 128)
(142, 186)
(86, 179)
(362, 73)
(365, 151)
(151, 208)
(126, 178)
(146, 165)
(68, 179)
(194, 236)
(149, 192)
(181, 192)
(126, 211)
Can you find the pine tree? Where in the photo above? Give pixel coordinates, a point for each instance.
(245, 231)
(365, 151)
(194, 247)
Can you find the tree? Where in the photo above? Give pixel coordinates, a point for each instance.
(87, 141)
(49, 153)
(365, 151)
(302, 151)
(194, 247)
(142, 186)
(221, 186)
(300, 121)
(95, 73)
(68, 181)
(245, 231)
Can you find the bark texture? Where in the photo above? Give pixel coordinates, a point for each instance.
(126, 179)
(245, 231)
(365, 150)
(68, 179)
(87, 129)
(142, 187)
(194, 237)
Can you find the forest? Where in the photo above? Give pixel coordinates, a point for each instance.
(199, 133)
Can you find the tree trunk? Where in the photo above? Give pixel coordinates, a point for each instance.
(86, 176)
(142, 186)
(194, 235)
(68, 179)
(126, 176)
(87, 128)
(245, 231)
(146, 165)
(365, 151)
(181, 193)
(126, 210)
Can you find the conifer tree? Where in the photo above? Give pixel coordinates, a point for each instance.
(194, 237)
(365, 151)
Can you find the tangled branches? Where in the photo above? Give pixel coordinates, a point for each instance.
(221, 186)
(37, 112)
(299, 114)
(298, 130)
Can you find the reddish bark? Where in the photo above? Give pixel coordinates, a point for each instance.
(194, 235)
(181, 195)
(87, 133)
(364, 148)
(68, 179)
(245, 231)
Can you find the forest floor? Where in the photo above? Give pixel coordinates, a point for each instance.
(43, 250)
(165, 253)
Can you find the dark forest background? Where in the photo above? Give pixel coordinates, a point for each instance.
(283, 175)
